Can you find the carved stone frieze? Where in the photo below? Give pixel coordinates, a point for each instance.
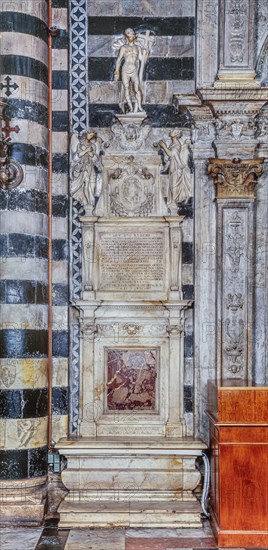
(235, 129)
(236, 31)
(235, 178)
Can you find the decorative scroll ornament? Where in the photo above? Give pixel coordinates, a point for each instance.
(11, 173)
(235, 178)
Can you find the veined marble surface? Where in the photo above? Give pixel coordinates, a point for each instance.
(13, 539)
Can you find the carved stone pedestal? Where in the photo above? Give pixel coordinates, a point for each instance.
(130, 482)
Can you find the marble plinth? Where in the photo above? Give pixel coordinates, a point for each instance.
(130, 482)
(22, 502)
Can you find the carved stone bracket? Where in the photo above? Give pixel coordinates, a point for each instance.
(11, 173)
(235, 178)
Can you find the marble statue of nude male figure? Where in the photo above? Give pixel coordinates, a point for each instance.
(131, 54)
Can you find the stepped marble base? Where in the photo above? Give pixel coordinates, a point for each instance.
(134, 483)
(22, 502)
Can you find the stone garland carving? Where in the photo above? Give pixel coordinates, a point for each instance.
(235, 178)
(236, 29)
(177, 153)
(85, 165)
(133, 54)
(234, 287)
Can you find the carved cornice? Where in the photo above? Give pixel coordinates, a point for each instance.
(236, 178)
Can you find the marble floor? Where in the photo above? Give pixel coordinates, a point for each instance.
(50, 538)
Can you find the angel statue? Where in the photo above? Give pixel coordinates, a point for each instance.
(133, 54)
(85, 163)
(179, 171)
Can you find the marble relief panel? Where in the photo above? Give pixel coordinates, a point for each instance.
(132, 379)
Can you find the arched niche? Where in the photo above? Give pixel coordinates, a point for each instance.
(262, 64)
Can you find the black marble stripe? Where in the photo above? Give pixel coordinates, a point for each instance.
(32, 155)
(59, 3)
(23, 292)
(159, 116)
(12, 21)
(60, 206)
(60, 250)
(20, 343)
(187, 209)
(60, 400)
(157, 68)
(61, 41)
(188, 292)
(162, 26)
(27, 110)
(188, 399)
(60, 294)
(60, 343)
(24, 403)
(23, 66)
(188, 345)
(60, 163)
(23, 463)
(23, 245)
(31, 200)
(60, 80)
(187, 253)
(60, 121)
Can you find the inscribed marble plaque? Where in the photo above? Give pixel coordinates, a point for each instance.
(131, 379)
(131, 261)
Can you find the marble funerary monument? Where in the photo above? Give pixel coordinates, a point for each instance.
(134, 249)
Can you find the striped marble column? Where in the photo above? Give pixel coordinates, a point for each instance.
(24, 267)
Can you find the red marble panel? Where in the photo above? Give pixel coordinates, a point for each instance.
(132, 379)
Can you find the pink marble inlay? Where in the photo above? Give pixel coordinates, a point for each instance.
(131, 379)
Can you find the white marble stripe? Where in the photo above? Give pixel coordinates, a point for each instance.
(60, 142)
(32, 223)
(60, 370)
(59, 426)
(60, 184)
(59, 228)
(29, 46)
(60, 60)
(35, 177)
(60, 17)
(23, 316)
(153, 8)
(60, 318)
(30, 132)
(165, 46)
(29, 89)
(36, 8)
(35, 269)
(25, 433)
(60, 100)
(60, 272)
(27, 373)
(155, 92)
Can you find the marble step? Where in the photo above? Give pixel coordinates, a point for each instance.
(131, 514)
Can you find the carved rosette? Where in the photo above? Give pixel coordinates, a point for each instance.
(235, 178)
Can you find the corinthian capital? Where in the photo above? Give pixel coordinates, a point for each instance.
(236, 178)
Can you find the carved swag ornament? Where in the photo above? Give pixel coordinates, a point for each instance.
(235, 178)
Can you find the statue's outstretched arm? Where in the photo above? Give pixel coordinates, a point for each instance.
(163, 146)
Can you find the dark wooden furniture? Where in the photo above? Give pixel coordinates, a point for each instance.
(238, 416)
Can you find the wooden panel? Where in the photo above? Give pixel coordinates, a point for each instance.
(244, 434)
(243, 405)
(243, 487)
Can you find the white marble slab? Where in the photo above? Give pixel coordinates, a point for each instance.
(97, 539)
(13, 539)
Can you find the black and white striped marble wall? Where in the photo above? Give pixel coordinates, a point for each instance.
(24, 247)
(60, 212)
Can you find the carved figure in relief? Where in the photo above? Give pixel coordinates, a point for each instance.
(131, 59)
(179, 171)
(85, 159)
